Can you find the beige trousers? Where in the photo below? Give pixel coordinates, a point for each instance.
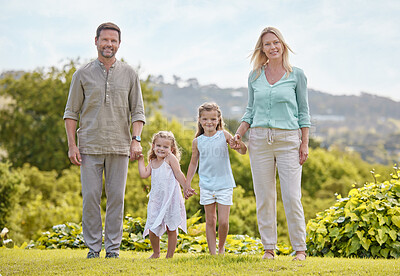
(268, 149)
(115, 168)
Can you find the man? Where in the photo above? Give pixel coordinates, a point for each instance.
(105, 97)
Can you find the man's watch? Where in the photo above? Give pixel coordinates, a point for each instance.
(137, 138)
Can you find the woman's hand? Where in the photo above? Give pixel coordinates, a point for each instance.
(235, 142)
(303, 152)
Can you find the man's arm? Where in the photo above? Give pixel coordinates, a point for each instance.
(73, 151)
(136, 149)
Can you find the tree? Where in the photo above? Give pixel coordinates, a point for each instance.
(150, 97)
(11, 188)
(31, 126)
(45, 199)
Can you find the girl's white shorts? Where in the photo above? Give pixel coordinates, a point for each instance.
(223, 196)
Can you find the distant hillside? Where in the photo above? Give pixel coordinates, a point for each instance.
(368, 124)
(183, 101)
(235, 99)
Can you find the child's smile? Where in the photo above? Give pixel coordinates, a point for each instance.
(162, 147)
(209, 121)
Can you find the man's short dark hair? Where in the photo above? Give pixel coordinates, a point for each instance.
(108, 26)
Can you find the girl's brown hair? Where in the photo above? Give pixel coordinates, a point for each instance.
(165, 135)
(209, 107)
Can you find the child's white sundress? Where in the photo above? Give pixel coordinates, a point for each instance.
(166, 206)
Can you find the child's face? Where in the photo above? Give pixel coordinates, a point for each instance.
(162, 147)
(209, 120)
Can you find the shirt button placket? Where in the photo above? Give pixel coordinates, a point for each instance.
(107, 93)
(108, 87)
(269, 107)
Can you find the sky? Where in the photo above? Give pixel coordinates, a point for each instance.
(345, 47)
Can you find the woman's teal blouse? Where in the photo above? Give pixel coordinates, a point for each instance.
(282, 105)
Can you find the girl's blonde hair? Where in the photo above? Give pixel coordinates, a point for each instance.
(209, 107)
(260, 59)
(164, 135)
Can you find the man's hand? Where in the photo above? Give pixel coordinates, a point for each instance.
(74, 155)
(135, 150)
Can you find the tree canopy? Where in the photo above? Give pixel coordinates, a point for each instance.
(31, 125)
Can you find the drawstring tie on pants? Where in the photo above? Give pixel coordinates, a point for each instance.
(270, 135)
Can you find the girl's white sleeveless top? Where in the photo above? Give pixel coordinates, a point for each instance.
(215, 170)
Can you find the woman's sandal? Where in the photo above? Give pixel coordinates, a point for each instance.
(269, 255)
(301, 256)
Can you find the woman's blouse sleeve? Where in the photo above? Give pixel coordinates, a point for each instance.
(248, 115)
(302, 100)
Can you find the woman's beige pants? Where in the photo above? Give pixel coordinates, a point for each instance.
(268, 149)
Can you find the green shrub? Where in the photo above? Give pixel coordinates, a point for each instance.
(364, 224)
(69, 235)
(45, 200)
(11, 188)
(61, 236)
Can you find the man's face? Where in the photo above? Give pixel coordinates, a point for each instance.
(107, 43)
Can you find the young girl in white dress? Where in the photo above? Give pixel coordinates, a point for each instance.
(210, 151)
(166, 208)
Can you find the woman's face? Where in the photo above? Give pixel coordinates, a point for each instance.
(272, 46)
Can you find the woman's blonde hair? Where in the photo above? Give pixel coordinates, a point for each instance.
(260, 59)
(209, 107)
(164, 135)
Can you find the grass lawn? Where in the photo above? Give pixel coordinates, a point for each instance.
(74, 262)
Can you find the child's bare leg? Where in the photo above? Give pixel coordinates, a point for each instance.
(211, 221)
(223, 226)
(155, 244)
(172, 241)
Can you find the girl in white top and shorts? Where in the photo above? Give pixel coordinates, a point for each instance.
(210, 150)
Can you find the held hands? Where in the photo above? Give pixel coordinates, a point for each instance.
(188, 192)
(135, 150)
(235, 142)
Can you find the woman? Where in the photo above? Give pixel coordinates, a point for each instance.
(277, 114)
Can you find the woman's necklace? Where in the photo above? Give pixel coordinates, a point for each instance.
(273, 76)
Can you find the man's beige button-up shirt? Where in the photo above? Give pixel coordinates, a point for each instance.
(105, 104)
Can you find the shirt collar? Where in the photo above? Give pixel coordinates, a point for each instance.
(98, 62)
